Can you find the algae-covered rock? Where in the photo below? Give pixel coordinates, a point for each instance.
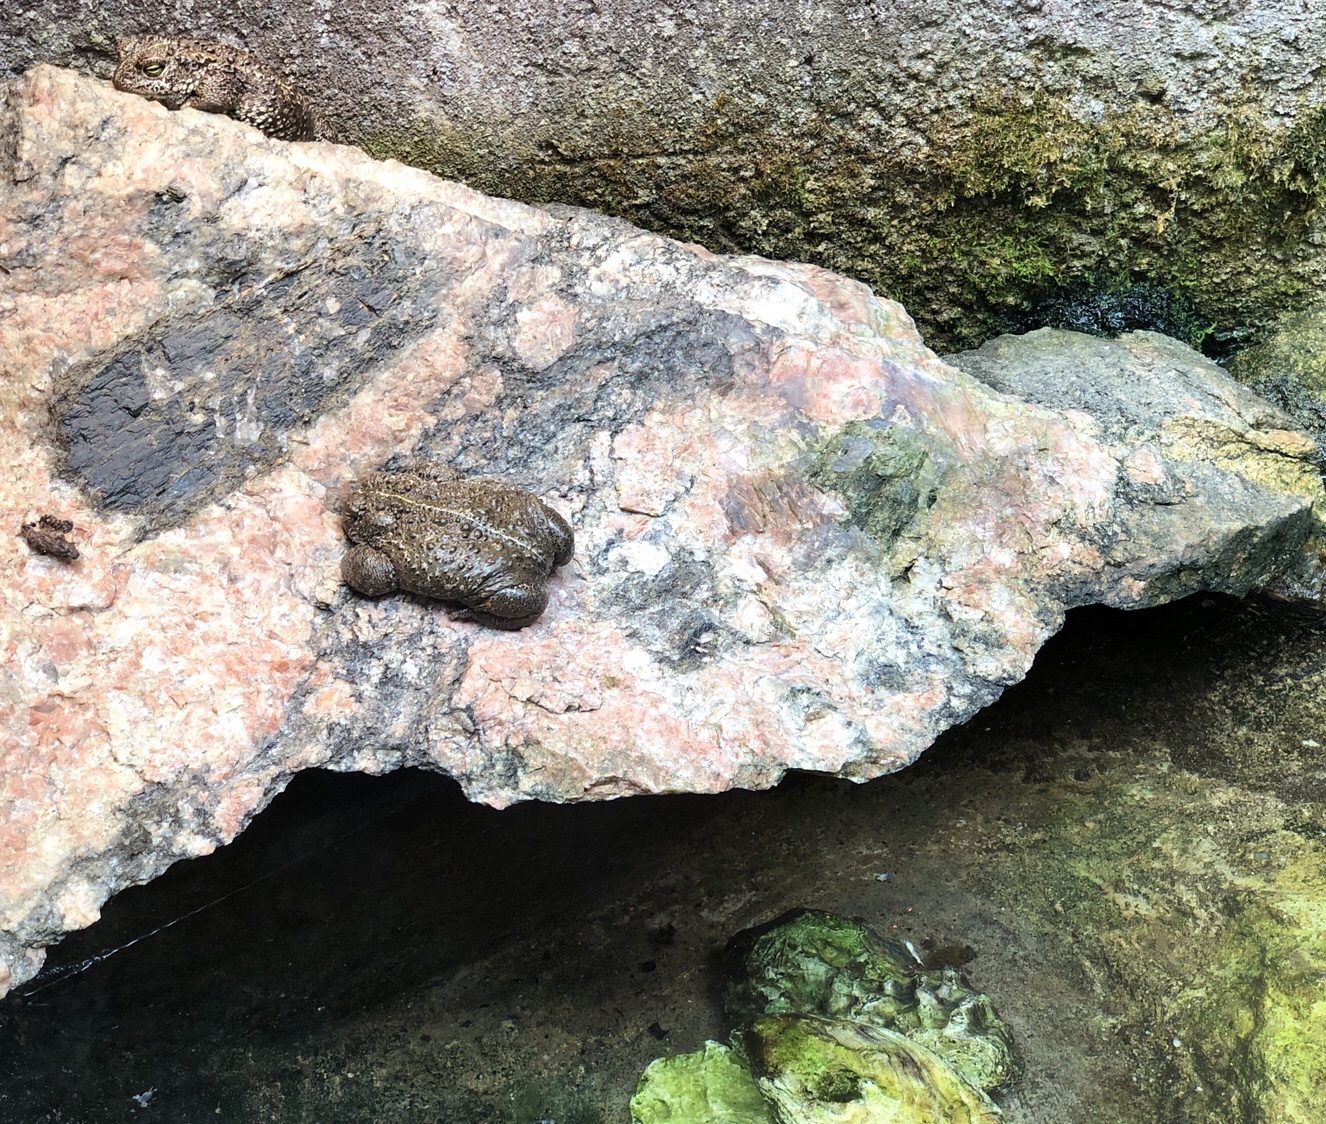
(875, 469)
(1289, 369)
(817, 1070)
(1198, 441)
(710, 1086)
(811, 963)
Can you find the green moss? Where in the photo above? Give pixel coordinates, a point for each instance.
(876, 471)
(1289, 369)
(710, 1086)
(1007, 200)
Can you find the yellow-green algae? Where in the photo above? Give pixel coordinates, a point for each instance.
(711, 1086)
(831, 1071)
(875, 469)
(1203, 907)
(967, 216)
(809, 962)
(1289, 369)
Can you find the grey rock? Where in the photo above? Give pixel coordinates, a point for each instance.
(868, 137)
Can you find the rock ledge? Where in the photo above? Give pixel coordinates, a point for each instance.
(804, 541)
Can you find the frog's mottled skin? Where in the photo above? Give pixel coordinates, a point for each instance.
(186, 71)
(429, 530)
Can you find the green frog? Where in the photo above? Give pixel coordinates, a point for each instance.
(429, 529)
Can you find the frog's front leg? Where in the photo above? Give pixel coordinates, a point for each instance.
(369, 571)
(216, 92)
(510, 608)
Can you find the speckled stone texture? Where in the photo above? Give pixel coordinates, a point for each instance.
(803, 540)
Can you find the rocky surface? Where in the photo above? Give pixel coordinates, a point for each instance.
(1289, 369)
(712, 1084)
(959, 157)
(810, 962)
(803, 541)
(1165, 411)
(1126, 853)
(814, 1070)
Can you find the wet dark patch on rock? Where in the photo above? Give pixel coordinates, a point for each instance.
(1103, 308)
(182, 414)
(543, 422)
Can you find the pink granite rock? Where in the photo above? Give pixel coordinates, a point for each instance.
(803, 540)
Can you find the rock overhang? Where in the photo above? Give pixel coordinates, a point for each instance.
(804, 540)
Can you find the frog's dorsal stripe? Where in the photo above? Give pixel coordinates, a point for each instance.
(436, 508)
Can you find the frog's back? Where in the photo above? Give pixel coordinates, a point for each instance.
(515, 526)
(464, 539)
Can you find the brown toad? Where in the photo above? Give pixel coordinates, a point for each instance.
(428, 529)
(215, 77)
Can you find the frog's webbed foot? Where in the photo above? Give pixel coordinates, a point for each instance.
(368, 571)
(508, 609)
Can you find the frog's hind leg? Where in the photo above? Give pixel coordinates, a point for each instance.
(369, 571)
(507, 608)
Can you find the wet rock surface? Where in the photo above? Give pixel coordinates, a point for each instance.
(815, 1070)
(803, 541)
(833, 1022)
(712, 1084)
(813, 963)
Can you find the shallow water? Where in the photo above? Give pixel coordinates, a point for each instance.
(379, 949)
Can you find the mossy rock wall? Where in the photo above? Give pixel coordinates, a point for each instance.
(966, 159)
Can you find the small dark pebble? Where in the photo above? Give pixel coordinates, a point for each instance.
(657, 1031)
(663, 936)
(1083, 774)
(649, 965)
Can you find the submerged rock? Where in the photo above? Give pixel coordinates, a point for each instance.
(710, 1086)
(812, 963)
(817, 1071)
(803, 541)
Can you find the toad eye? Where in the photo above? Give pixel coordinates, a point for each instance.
(152, 69)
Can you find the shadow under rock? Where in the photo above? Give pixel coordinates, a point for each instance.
(389, 917)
